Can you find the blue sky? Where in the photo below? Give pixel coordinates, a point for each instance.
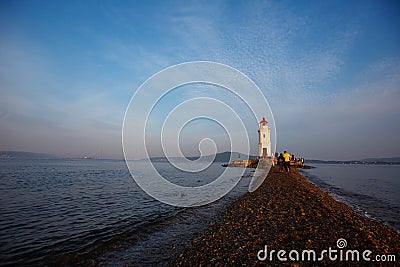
(329, 69)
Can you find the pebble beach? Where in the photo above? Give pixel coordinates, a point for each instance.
(289, 213)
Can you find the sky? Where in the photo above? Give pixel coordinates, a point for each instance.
(330, 71)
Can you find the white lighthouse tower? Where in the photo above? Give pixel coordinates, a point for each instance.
(264, 140)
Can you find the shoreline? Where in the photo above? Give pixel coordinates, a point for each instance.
(288, 213)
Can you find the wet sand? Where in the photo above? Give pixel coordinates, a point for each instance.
(289, 213)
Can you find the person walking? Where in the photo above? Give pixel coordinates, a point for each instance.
(281, 162)
(287, 157)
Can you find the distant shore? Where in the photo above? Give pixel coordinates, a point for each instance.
(289, 213)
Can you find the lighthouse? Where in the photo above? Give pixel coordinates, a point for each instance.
(264, 139)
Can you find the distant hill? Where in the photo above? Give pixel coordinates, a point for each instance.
(387, 161)
(220, 157)
(396, 159)
(25, 155)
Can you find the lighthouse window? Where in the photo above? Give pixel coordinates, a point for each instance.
(264, 135)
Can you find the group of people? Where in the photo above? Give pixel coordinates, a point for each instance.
(284, 161)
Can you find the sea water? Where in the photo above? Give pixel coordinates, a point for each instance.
(372, 190)
(57, 210)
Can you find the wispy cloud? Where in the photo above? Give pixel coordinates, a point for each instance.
(353, 122)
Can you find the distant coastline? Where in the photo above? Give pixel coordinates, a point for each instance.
(25, 155)
(34, 155)
(219, 157)
(369, 161)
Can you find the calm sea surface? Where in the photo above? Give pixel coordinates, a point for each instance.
(60, 211)
(372, 190)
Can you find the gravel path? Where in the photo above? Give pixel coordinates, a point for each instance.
(289, 213)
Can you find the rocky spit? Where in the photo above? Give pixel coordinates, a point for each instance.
(288, 213)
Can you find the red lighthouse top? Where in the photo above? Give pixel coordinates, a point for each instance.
(263, 120)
